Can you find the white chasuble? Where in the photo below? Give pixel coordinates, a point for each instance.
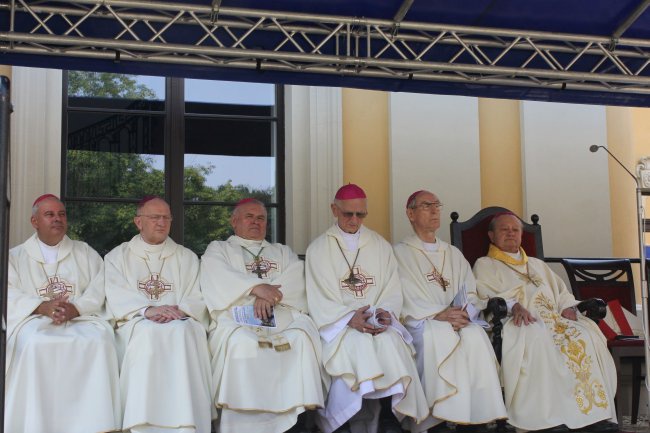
(165, 367)
(263, 377)
(458, 369)
(59, 378)
(339, 282)
(555, 371)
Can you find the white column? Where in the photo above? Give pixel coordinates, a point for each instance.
(314, 162)
(35, 143)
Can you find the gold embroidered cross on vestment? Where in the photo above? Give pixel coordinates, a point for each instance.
(154, 286)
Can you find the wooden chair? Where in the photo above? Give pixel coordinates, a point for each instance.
(471, 236)
(611, 279)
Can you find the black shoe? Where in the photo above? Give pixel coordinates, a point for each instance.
(557, 429)
(440, 428)
(502, 426)
(389, 426)
(471, 428)
(345, 428)
(600, 427)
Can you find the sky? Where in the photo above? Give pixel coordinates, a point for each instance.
(257, 172)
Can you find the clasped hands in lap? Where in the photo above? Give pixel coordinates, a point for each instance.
(59, 310)
(360, 322)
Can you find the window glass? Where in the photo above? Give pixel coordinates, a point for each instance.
(206, 223)
(114, 175)
(114, 155)
(217, 136)
(229, 92)
(116, 132)
(102, 225)
(118, 146)
(249, 175)
(115, 91)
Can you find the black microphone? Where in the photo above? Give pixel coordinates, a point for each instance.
(594, 148)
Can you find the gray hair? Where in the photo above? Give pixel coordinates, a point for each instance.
(497, 216)
(37, 205)
(235, 211)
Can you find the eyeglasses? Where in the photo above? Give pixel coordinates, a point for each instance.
(164, 218)
(360, 215)
(429, 206)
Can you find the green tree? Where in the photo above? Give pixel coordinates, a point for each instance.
(106, 85)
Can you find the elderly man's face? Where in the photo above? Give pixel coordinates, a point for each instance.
(425, 216)
(249, 221)
(350, 213)
(50, 221)
(154, 221)
(507, 233)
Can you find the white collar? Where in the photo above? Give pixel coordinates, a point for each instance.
(431, 246)
(516, 256)
(50, 252)
(351, 239)
(152, 251)
(248, 242)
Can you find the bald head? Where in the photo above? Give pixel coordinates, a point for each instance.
(423, 211)
(153, 219)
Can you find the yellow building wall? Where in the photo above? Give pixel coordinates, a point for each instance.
(500, 144)
(365, 152)
(5, 70)
(621, 142)
(366, 160)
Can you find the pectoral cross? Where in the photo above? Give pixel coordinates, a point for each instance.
(257, 267)
(436, 276)
(352, 280)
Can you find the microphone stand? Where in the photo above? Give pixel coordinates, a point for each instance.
(642, 258)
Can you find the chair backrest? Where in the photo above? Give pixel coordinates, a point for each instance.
(607, 279)
(471, 236)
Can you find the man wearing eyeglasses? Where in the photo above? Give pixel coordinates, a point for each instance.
(152, 289)
(455, 359)
(355, 298)
(266, 369)
(61, 372)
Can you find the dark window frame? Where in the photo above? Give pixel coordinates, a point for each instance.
(174, 152)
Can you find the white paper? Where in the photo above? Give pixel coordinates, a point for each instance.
(374, 319)
(460, 300)
(245, 315)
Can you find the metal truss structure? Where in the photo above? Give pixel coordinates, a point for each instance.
(224, 37)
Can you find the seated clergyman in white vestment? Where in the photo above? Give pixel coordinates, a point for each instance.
(457, 365)
(556, 368)
(62, 371)
(355, 298)
(266, 354)
(152, 289)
